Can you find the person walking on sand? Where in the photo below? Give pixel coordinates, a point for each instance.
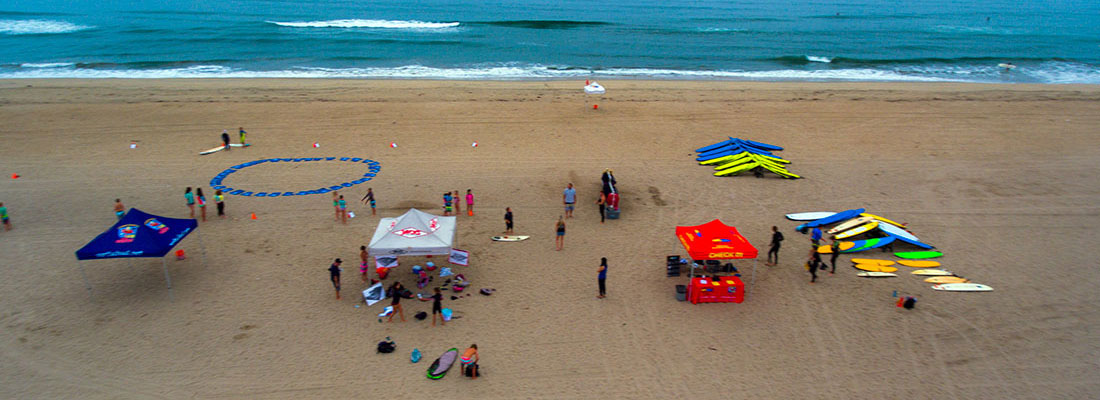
(7, 221)
(815, 236)
(508, 224)
(813, 264)
(120, 210)
(601, 278)
(559, 240)
(569, 199)
(773, 252)
(336, 205)
(437, 306)
(363, 266)
(835, 247)
(242, 133)
(334, 276)
(202, 204)
(343, 206)
(469, 361)
(469, 202)
(602, 202)
(447, 199)
(369, 197)
(225, 140)
(219, 200)
(190, 197)
(397, 291)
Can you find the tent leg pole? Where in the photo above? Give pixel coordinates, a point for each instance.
(752, 281)
(167, 279)
(84, 276)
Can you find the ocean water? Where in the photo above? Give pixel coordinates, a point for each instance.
(1051, 41)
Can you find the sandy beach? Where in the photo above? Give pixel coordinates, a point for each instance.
(1003, 179)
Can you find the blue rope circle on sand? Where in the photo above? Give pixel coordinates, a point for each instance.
(216, 183)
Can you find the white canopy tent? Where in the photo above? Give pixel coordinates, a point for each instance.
(416, 233)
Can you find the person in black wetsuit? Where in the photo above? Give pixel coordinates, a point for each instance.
(225, 139)
(814, 262)
(835, 246)
(437, 306)
(334, 276)
(397, 291)
(773, 252)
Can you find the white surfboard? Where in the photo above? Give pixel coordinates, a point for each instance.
(809, 216)
(876, 275)
(214, 150)
(899, 232)
(963, 287)
(931, 272)
(849, 224)
(509, 238)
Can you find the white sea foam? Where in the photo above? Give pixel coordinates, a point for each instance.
(47, 65)
(819, 59)
(367, 23)
(37, 26)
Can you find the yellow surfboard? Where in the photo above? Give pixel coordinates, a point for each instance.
(919, 263)
(872, 261)
(946, 279)
(825, 249)
(875, 268)
(878, 218)
(857, 230)
(931, 272)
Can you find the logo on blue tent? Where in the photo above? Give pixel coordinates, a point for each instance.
(126, 233)
(155, 225)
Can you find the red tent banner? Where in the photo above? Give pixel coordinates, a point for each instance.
(714, 240)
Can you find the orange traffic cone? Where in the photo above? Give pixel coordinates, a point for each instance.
(253, 215)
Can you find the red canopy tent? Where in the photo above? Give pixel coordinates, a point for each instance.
(715, 240)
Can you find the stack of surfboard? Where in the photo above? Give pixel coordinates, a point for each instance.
(734, 156)
(856, 222)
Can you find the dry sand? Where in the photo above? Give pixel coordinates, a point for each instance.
(1003, 179)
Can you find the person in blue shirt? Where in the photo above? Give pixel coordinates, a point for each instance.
(569, 197)
(815, 236)
(602, 278)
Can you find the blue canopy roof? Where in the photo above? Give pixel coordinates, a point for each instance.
(138, 234)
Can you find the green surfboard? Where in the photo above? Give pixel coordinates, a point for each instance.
(919, 254)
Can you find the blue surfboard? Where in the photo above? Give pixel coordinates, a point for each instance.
(840, 216)
(914, 242)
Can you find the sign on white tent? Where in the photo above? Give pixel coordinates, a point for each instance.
(416, 233)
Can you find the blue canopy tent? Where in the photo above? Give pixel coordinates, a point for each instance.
(138, 234)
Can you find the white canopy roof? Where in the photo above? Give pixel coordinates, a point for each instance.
(416, 233)
(594, 88)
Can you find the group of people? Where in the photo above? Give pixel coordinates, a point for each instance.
(395, 292)
(813, 261)
(225, 137)
(193, 199)
(452, 204)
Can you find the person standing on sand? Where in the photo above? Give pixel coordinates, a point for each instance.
(559, 240)
(569, 198)
(469, 202)
(334, 276)
(602, 202)
(447, 199)
(343, 206)
(242, 133)
(458, 202)
(363, 266)
(370, 197)
(219, 200)
(397, 290)
(508, 224)
(7, 221)
(225, 140)
(120, 209)
(336, 204)
(601, 278)
(835, 247)
(814, 263)
(815, 236)
(437, 306)
(774, 250)
(187, 195)
(202, 203)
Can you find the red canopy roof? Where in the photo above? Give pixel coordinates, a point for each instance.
(714, 241)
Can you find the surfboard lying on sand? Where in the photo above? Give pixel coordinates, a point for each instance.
(510, 238)
(914, 242)
(809, 216)
(220, 148)
(857, 246)
(859, 230)
(881, 219)
(946, 279)
(896, 231)
(849, 224)
(919, 263)
(931, 272)
(963, 287)
(840, 216)
(876, 275)
(875, 268)
(919, 254)
(872, 261)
